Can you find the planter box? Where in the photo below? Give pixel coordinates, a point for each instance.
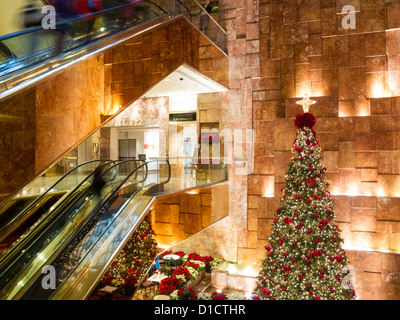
(223, 279)
(192, 284)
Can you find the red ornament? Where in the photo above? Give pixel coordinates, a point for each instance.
(339, 258)
(266, 292)
(287, 268)
(310, 182)
(287, 220)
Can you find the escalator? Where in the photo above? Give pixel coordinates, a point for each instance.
(23, 211)
(82, 227)
(28, 54)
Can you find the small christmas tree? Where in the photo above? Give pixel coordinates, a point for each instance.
(304, 259)
(133, 261)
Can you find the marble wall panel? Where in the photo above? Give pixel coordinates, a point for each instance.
(17, 143)
(353, 76)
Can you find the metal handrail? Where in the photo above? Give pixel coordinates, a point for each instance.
(155, 4)
(187, 9)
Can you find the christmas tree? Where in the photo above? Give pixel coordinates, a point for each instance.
(133, 261)
(304, 259)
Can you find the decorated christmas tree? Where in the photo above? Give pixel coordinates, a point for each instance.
(304, 259)
(133, 261)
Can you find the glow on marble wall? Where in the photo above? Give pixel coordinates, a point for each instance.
(378, 86)
(268, 186)
(182, 103)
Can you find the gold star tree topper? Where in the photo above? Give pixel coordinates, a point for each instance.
(306, 102)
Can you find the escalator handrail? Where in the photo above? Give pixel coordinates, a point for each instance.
(9, 254)
(155, 4)
(187, 9)
(110, 197)
(30, 206)
(78, 17)
(121, 161)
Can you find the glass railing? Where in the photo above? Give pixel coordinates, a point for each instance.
(194, 172)
(33, 46)
(32, 252)
(205, 19)
(104, 220)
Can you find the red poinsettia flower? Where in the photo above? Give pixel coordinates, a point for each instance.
(182, 271)
(180, 253)
(218, 296)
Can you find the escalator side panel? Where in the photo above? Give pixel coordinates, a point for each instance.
(29, 219)
(85, 277)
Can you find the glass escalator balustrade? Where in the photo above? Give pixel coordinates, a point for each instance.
(72, 31)
(26, 209)
(75, 187)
